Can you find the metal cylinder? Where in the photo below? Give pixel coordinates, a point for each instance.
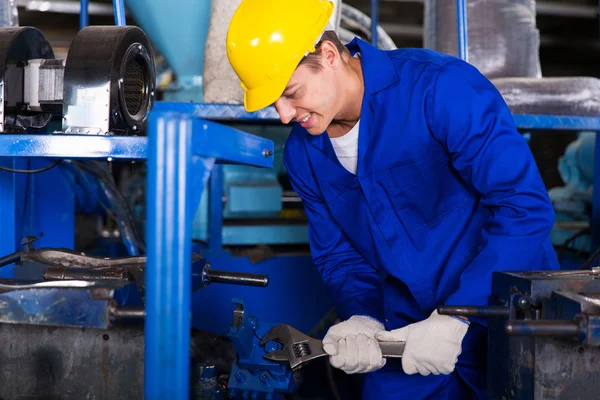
(237, 278)
(474, 311)
(543, 328)
(121, 313)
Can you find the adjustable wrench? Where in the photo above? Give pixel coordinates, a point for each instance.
(299, 349)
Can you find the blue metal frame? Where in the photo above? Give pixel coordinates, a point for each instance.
(84, 14)
(175, 158)
(119, 8)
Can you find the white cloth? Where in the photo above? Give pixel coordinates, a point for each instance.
(346, 148)
(432, 346)
(352, 347)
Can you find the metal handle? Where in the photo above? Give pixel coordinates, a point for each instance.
(543, 328)
(392, 349)
(236, 278)
(474, 311)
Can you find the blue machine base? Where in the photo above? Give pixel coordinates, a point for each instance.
(295, 295)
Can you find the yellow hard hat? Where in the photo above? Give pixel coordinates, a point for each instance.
(266, 41)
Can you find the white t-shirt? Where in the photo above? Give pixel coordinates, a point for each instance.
(346, 148)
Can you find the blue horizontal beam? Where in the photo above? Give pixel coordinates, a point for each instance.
(557, 122)
(74, 146)
(209, 139)
(230, 145)
(226, 112)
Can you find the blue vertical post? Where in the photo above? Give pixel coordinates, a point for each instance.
(84, 14)
(215, 208)
(168, 271)
(374, 21)
(461, 22)
(596, 197)
(119, 7)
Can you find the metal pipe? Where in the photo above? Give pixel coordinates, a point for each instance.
(84, 13)
(168, 271)
(374, 21)
(120, 313)
(543, 328)
(11, 258)
(119, 7)
(474, 311)
(237, 278)
(461, 22)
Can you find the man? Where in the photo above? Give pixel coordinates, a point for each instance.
(416, 184)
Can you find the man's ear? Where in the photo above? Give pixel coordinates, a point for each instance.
(330, 54)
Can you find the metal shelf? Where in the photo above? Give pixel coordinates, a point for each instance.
(228, 112)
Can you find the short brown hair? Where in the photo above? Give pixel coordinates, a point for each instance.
(312, 59)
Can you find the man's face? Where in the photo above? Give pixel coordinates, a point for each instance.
(310, 99)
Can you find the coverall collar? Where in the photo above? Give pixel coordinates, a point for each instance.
(378, 70)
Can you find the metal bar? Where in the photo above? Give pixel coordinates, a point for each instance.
(74, 146)
(84, 13)
(374, 21)
(473, 311)
(121, 313)
(230, 145)
(461, 22)
(595, 223)
(168, 271)
(215, 224)
(119, 12)
(225, 112)
(543, 328)
(212, 140)
(237, 278)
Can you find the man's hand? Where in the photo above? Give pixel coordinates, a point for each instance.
(432, 346)
(352, 346)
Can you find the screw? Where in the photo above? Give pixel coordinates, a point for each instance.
(264, 378)
(105, 337)
(239, 376)
(267, 153)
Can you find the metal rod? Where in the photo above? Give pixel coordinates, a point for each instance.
(461, 22)
(595, 223)
(374, 21)
(11, 258)
(120, 313)
(473, 311)
(543, 328)
(119, 12)
(84, 13)
(237, 278)
(168, 271)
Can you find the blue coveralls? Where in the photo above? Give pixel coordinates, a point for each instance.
(446, 192)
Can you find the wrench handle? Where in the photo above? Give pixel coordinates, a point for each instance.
(392, 349)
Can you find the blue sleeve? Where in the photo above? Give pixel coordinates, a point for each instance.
(470, 119)
(352, 283)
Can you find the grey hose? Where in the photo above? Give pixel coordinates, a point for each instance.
(354, 19)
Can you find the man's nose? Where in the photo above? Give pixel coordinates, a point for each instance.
(285, 109)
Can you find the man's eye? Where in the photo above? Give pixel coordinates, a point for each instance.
(294, 95)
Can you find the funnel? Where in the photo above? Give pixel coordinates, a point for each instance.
(178, 29)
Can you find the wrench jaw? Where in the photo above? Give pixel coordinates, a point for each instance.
(298, 348)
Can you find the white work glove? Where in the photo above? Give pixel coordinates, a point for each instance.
(432, 346)
(352, 346)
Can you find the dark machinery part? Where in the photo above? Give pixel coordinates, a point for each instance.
(543, 334)
(109, 81)
(236, 278)
(18, 46)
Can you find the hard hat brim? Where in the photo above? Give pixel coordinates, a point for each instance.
(267, 94)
